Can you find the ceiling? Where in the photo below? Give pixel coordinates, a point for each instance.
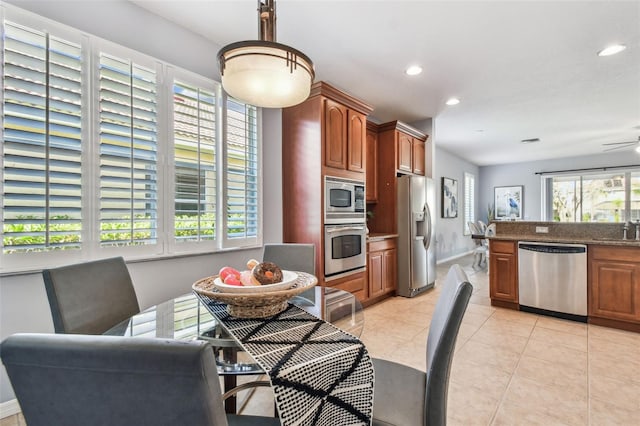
(521, 69)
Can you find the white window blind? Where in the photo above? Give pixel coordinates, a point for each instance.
(242, 193)
(41, 150)
(128, 153)
(107, 151)
(194, 138)
(469, 201)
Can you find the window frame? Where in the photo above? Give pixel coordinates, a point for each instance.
(546, 193)
(469, 202)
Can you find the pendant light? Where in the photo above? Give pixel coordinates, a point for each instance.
(265, 73)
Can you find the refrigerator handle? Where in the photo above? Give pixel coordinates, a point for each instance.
(427, 220)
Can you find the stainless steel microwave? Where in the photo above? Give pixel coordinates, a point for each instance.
(344, 200)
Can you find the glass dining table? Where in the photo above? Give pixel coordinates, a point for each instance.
(186, 318)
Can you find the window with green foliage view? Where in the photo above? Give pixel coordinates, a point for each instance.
(109, 151)
(595, 197)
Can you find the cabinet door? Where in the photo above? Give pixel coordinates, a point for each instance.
(404, 153)
(356, 142)
(390, 268)
(335, 135)
(615, 290)
(372, 167)
(503, 279)
(418, 157)
(375, 274)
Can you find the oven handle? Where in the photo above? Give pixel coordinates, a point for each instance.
(345, 228)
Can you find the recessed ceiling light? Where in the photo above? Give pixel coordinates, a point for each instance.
(612, 50)
(638, 149)
(413, 70)
(532, 140)
(453, 101)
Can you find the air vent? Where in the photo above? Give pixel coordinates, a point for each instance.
(533, 140)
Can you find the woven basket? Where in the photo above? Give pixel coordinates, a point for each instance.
(254, 305)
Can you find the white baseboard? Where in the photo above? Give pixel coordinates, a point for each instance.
(454, 257)
(9, 408)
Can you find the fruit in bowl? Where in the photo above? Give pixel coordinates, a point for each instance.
(259, 276)
(257, 273)
(230, 275)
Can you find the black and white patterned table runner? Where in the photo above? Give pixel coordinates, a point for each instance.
(320, 374)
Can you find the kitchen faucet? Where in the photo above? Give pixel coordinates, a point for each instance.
(637, 229)
(625, 230)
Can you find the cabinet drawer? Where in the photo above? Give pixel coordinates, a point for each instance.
(385, 244)
(621, 254)
(507, 247)
(354, 284)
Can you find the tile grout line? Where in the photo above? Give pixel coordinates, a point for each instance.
(506, 389)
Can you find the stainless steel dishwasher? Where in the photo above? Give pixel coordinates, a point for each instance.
(552, 279)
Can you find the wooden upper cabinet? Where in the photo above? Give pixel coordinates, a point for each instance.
(418, 157)
(335, 134)
(372, 166)
(404, 152)
(409, 147)
(356, 141)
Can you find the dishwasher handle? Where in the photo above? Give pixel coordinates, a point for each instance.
(551, 248)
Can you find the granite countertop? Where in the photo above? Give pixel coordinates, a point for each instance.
(567, 240)
(377, 236)
(608, 234)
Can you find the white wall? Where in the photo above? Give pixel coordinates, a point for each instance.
(450, 240)
(23, 301)
(525, 174)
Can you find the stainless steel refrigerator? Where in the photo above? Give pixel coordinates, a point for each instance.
(416, 236)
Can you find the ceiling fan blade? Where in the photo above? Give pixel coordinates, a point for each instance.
(620, 143)
(618, 147)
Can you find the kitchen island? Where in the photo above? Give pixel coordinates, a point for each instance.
(612, 267)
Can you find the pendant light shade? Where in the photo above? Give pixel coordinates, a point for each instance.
(265, 73)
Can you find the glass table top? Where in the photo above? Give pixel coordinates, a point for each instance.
(186, 318)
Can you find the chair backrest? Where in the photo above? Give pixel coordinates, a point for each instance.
(443, 331)
(473, 227)
(90, 297)
(290, 256)
(66, 379)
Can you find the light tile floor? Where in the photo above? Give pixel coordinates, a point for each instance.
(510, 367)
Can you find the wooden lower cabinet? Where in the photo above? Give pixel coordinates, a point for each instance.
(382, 267)
(355, 284)
(503, 273)
(614, 285)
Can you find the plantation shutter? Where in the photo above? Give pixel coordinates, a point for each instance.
(241, 173)
(469, 201)
(128, 153)
(194, 137)
(41, 149)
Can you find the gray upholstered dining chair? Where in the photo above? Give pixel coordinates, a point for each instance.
(409, 397)
(90, 297)
(293, 257)
(70, 379)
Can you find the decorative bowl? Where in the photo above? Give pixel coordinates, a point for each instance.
(255, 304)
(288, 280)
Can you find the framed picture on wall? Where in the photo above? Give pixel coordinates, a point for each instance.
(449, 198)
(509, 202)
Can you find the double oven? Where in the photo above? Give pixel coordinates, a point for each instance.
(345, 229)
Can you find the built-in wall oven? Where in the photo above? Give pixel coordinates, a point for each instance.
(345, 230)
(345, 250)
